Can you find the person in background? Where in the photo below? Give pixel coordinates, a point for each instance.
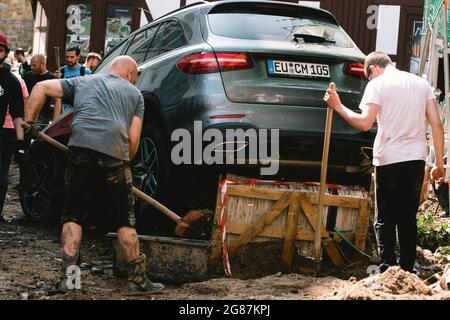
(72, 69)
(40, 73)
(25, 65)
(92, 61)
(11, 98)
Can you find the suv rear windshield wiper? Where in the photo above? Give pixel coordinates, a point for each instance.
(310, 38)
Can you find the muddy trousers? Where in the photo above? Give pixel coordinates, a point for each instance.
(397, 188)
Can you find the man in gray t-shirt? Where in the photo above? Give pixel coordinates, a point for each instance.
(104, 107)
(108, 113)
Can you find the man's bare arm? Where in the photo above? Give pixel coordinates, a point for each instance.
(50, 88)
(134, 134)
(18, 127)
(57, 109)
(18, 123)
(362, 121)
(437, 132)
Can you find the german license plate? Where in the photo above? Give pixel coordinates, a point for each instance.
(298, 69)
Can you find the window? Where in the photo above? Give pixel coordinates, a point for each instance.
(106, 63)
(153, 51)
(141, 43)
(173, 37)
(270, 27)
(118, 24)
(40, 30)
(78, 24)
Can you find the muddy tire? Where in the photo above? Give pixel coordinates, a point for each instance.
(151, 174)
(41, 190)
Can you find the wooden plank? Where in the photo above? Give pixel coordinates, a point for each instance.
(216, 236)
(253, 230)
(335, 201)
(273, 194)
(278, 232)
(310, 213)
(255, 192)
(362, 225)
(291, 229)
(270, 232)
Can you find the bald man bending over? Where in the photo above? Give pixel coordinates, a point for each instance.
(37, 74)
(108, 113)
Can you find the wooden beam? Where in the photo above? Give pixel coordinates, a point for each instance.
(216, 236)
(291, 229)
(362, 225)
(278, 232)
(270, 232)
(253, 230)
(274, 194)
(147, 12)
(310, 214)
(335, 201)
(255, 192)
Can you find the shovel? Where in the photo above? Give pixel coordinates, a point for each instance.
(323, 181)
(198, 218)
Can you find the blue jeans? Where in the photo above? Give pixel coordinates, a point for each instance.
(7, 147)
(398, 188)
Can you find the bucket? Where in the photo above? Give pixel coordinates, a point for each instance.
(171, 260)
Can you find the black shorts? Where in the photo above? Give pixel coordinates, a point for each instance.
(89, 172)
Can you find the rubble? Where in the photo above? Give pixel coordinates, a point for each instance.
(393, 284)
(33, 273)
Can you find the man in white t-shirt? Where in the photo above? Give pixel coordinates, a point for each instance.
(402, 104)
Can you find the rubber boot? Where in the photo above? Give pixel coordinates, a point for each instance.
(137, 280)
(120, 268)
(68, 280)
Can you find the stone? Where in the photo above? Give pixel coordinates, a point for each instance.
(16, 19)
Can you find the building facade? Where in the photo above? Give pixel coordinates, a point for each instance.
(16, 21)
(97, 25)
(391, 26)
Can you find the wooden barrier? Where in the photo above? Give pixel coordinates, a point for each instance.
(258, 211)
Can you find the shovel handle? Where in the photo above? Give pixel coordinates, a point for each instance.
(169, 213)
(46, 138)
(323, 181)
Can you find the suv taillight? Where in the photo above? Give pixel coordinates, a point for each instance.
(355, 69)
(208, 62)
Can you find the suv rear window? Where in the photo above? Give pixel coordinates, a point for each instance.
(279, 25)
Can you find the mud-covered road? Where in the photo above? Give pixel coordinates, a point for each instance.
(30, 265)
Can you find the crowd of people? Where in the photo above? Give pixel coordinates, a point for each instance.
(19, 74)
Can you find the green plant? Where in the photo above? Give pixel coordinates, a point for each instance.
(432, 234)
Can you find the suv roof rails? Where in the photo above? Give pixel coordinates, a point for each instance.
(182, 8)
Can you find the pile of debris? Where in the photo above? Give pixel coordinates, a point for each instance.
(397, 284)
(440, 281)
(429, 263)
